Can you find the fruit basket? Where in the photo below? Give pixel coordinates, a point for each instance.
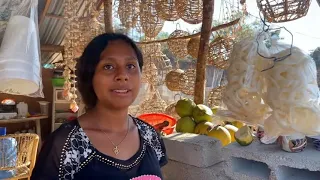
(157, 118)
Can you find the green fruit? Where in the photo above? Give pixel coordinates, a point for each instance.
(244, 136)
(185, 125)
(184, 107)
(203, 128)
(202, 113)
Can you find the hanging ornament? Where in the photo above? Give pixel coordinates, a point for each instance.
(190, 11)
(178, 47)
(173, 79)
(193, 47)
(215, 96)
(150, 22)
(187, 82)
(167, 9)
(74, 106)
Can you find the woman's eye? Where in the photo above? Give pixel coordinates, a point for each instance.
(108, 67)
(131, 66)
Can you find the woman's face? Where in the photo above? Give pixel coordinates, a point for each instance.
(117, 77)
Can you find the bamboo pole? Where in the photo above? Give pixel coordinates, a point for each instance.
(108, 16)
(199, 89)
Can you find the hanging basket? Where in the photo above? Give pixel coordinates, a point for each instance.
(277, 11)
(167, 10)
(219, 52)
(150, 49)
(171, 111)
(128, 12)
(190, 11)
(151, 23)
(173, 79)
(193, 47)
(187, 82)
(215, 96)
(178, 47)
(153, 103)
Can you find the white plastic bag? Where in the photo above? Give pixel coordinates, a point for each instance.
(20, 63)
(246, 85)
(292, 93)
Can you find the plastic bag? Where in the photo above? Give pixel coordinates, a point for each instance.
(292, 93)
(20, 63)
(246, 84)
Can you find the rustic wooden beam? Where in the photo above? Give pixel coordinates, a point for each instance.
(44, 12)
(107, 5)
(54, 16)
(199, 89)
(216, 28)
(51, 48)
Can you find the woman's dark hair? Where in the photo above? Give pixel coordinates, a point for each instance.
(89, 60)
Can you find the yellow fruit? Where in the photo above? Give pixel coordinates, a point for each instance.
(215, 109)
(232, 130)
(238, 124)
(221, 133)
(244, 136)
(203, 128)
(184, 107)
(202, 113)
(185, 125)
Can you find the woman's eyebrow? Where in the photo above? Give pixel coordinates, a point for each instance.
(114, 58)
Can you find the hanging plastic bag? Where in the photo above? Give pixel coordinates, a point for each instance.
(246, 84)
(20, 63)
(292, 93)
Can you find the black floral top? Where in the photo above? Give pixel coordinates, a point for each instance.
(69, 155)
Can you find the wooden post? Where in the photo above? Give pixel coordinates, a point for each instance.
(108, 16)
(199, 91)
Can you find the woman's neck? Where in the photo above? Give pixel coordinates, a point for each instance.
(110, 119)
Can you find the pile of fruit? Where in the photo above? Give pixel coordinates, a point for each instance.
(199, 119)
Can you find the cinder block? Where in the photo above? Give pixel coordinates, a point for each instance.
(274, 156)
(244, 169)
(179, 171)
(284, 173)
(193, 149)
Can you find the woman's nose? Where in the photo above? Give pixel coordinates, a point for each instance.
(121, 76)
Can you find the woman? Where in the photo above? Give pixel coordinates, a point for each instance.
(105, 142)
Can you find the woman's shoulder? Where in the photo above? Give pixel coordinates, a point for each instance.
(153, 139)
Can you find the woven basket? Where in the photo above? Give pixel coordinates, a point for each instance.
(167, 10)
(215, 96)
(277, 11)
(187, 82)
(178, 47)
(150, 22)
(153, 103)
(171, 111)
(173, 79)
(190, 11)
(219, 52)
(193, 47)
(128, 12)
(150, 49)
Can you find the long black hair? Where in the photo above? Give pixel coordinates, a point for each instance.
(89, 60)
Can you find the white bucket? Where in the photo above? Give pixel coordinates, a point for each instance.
(19, 57)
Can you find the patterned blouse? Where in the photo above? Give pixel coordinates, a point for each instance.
(69, 155)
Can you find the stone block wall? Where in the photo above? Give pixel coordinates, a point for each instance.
(194, 157)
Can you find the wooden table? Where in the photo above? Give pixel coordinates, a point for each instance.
(24, 120)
